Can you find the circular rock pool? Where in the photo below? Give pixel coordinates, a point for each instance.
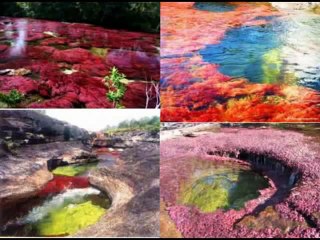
(213, 186)
(65, 205)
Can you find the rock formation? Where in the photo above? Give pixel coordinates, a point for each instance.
(288, 208)
(133, 185)
(34, 143)
(31, 140)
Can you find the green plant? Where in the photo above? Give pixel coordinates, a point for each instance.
(116, 87)
(11, 98)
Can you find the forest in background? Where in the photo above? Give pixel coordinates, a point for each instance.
(146, 123)
(134, 16)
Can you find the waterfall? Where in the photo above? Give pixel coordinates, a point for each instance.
(19, 44)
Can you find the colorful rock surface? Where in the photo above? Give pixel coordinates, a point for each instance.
(238, 62)
(69, 61)
(289, 207)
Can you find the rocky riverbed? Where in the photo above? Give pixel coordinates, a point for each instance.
(44, 160)
(287, 207)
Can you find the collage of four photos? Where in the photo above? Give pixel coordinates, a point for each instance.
(160, 119)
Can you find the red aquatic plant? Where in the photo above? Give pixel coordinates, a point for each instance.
(67, 63)
(61, 183)
(195, 90)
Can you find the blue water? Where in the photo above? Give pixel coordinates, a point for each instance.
(240, 53)
(282, 51)
(214, 6)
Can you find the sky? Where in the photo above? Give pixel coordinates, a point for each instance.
(98, 119)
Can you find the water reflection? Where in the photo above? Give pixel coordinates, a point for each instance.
(19, 45)
(252, 63)
(283, 51)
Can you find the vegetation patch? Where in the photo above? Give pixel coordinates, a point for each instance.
(70, 219)
(151, 124)
(12, 98)
(73, 170)
(116, 87)
(100, 52)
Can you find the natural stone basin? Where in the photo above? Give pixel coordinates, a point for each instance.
(65, 205)
(63, 214)
(264, 183)
(220, 186)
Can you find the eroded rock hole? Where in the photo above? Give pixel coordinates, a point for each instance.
(262, 162)
(65, 205)
(214, 186)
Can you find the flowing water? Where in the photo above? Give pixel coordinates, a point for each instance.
(273, 52)
(213, 186)
(239, 61)
(214, 7)
(63, 207)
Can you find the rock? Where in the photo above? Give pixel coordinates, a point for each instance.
(296, 5)
(3, 48)
(32, 125)
(293, 162)
(133, 184)
(5, 71)
(30, 143)
(19, 72)
(126, 139)
(80, 156)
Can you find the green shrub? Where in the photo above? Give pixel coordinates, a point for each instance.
(116, 87)
(11, 98)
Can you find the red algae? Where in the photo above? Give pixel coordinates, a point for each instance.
(289, 207)
(194, 90)
(68, 61)
(61, 183)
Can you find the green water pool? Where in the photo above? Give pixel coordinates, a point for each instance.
(74, 169)
(215, 186)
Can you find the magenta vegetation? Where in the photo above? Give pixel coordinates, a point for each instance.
(64, 63)
(290, 207)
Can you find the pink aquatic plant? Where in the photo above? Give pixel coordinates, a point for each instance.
(289, 159)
